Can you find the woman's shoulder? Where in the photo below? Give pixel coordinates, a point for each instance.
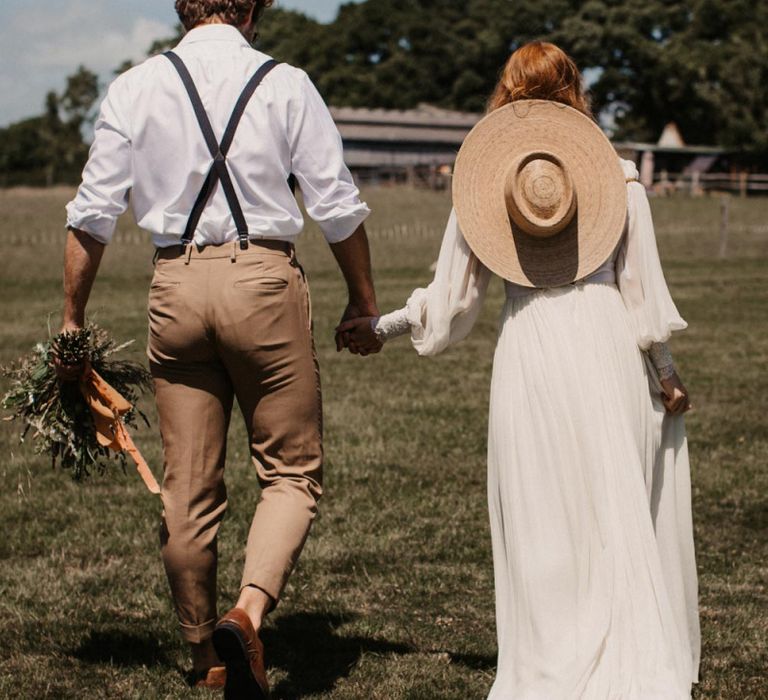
(630, 169)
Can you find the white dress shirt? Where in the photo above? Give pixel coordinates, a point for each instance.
(148, 147)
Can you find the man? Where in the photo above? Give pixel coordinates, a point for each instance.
(229, 311)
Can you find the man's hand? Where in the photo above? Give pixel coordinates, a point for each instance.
(68, 373)
(358, 344)
(675, 396)
(360, 336)
(82, 256)
(354, 259)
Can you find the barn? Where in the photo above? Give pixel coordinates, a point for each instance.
(419, 147)
(416, 146)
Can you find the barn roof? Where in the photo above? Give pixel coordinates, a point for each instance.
(425, 124)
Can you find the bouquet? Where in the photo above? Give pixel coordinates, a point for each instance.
(64, 415)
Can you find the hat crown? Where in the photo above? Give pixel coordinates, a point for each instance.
(537, 219)
(540, 195)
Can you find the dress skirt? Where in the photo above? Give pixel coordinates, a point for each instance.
(589, 496)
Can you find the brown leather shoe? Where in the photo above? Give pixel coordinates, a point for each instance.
(239, 647)
(213, 679)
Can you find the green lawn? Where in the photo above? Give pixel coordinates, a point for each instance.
(393, 597)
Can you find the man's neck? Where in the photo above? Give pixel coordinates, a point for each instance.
(215, 19)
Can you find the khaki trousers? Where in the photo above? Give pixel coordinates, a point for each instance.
(226, 324)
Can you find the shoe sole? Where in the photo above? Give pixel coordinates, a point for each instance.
(230, 646)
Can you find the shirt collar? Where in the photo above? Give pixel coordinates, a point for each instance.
(213, 32)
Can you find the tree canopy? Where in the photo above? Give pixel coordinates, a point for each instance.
(49, 149)
(700, 63)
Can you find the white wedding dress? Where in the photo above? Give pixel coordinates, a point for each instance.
(588, 479)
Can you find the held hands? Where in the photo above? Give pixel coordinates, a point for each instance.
(357, 335)
(675, 396)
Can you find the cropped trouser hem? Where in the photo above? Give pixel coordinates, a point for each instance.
(197, 634)
(267, 582)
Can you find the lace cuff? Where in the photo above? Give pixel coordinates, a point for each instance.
(391, 325)
(662, 360)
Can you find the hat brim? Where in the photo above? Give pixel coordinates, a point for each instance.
(499, 141)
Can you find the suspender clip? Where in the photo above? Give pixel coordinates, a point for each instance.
(244, 242)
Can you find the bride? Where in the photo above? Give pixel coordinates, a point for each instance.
(588, 475)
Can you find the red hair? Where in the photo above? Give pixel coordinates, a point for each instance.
(541, 71)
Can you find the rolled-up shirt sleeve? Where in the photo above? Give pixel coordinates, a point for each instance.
(317, 160)
(107, 178)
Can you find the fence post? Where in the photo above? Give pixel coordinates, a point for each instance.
(743, 183)
(725, 202)
(695, 183)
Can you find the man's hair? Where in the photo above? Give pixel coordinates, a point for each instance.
(235, 12)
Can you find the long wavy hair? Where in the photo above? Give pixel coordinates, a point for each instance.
(541, 71)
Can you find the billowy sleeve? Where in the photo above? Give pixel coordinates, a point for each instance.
(445, 312)
(640, 277)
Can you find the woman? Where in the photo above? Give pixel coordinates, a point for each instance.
(588, 475)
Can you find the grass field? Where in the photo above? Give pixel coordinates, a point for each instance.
(393, 597)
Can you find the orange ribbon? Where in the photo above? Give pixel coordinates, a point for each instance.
(107, 408)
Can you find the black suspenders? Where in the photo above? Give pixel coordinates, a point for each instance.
(219, 170)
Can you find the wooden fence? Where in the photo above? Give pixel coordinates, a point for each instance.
(416, 231)
(697, 184)
(134, 236)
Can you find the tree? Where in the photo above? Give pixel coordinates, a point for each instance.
(718, 75)
(79, 98)
(49, 149)
(51, 133)
(396, 54)
(290, 36)
(700, 63)
(24, 158)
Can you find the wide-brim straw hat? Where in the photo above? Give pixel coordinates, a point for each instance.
(540, 194)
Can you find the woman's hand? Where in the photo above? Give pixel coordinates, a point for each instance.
(359, 337)
(675, 396)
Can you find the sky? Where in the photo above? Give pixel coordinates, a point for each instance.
(43, 41)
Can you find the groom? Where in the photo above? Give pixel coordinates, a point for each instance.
(229, 306)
